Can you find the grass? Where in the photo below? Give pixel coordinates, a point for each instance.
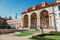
(25, 33)
(53, 37)
(50, 37)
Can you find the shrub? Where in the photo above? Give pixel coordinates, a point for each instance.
(44, 39)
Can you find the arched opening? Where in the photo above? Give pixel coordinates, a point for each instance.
(25, 21)
(44, 19)
(34, 21)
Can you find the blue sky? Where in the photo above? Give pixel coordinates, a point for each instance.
(11, 7)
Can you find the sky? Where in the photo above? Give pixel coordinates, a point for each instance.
(11, 7)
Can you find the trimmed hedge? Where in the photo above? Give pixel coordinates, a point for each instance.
(40, 38)
(54, 33)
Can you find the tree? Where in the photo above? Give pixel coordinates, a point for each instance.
(3, 24)
(16, 16)
(5, 17)
(10, 17)
(0, 17)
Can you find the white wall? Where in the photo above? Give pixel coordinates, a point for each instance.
(15, 23)
(57, 17)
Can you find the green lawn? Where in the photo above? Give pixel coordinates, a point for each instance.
(25, 33)
(53, 37)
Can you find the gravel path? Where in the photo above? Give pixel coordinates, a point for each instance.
(12, 37)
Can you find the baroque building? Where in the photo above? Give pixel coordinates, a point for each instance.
(43, 15)
(15, 23)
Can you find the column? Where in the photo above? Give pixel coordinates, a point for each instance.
(29, 22)
(50, 21)
(38, 21)
(22, 22)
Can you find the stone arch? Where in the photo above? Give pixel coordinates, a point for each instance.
(44, 19)
(25, 21)
(34, 20)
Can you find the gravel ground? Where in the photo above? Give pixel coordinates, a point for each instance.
(12, 37)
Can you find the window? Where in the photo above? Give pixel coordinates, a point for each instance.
(58, 7)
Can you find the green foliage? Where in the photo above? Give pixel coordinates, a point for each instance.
(4, 25)
(54, 32)
(53, 37)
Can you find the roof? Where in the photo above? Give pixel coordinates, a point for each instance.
(40, 6)
(4, 19)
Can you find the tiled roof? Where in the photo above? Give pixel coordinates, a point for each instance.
(4, 19)
(40, 6)
(29, 9)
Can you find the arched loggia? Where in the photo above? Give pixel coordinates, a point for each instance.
(33, 20)
(44, 19)
(25, 21)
